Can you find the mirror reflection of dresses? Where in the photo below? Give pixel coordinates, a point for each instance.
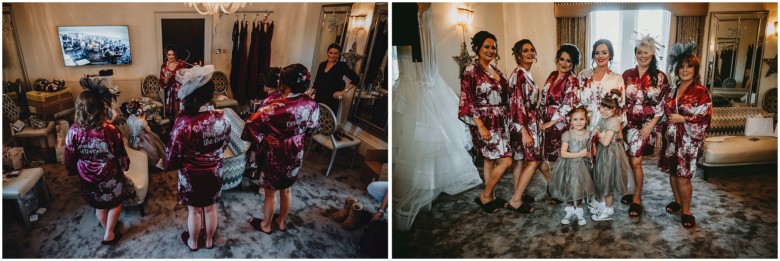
(430, 144)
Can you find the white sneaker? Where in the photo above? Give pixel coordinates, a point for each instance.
(580, 216)
(603, 215)
(569, 214)
(593, 206)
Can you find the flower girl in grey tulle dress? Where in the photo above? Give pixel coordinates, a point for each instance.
(611, 170)
(141, 136)
(571, 178)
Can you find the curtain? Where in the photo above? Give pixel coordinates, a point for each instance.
(574, 31)
(690, 28)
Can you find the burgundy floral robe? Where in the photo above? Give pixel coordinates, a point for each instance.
(524, 112)
(277, 131)
(172, 106)
(683, 142)
(196, 150)
(253, 150)
(98, 156)
(643, 103)
(481, 96)
(558, 98)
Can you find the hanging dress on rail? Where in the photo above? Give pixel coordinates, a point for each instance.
(252, 88)
(234, 58)
(243, 64)
(266, 34)
(430, 144)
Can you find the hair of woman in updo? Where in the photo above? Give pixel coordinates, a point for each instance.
(296, 77)
(198, 98)
(479, 39)
(572, 50)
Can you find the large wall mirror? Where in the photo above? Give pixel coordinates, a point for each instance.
(734, 56)
(369, 106)
(333, 29)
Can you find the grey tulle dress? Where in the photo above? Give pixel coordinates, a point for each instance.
(611, 170)
(141, 139)
(571, 178)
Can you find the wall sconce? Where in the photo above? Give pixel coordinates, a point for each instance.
(358, 23)
(464, 18)
(772, 29)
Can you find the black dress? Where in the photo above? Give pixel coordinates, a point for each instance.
(332, 81)
(252, 88)
(234, 60)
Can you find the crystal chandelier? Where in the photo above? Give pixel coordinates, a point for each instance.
(215, 8)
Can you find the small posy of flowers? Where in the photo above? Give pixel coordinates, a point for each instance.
(303, 76)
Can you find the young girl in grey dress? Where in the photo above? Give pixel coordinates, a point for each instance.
(571, 178)
(141, 136)
(611, 170)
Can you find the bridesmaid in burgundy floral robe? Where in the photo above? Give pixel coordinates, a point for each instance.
(198, 140)
(557, 99)
(168, 80)
(646, 87)
(277, 131)
(525, 133)
(95, 152)
(483, 107)
(688, 113)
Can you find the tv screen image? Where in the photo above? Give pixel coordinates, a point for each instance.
(94, 45)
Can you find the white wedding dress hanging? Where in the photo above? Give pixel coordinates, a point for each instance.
(430, 144)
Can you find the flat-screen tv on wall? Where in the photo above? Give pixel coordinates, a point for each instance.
(94, 45)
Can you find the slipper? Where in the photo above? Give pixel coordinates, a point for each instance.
(635, 208)
(202, 239)
(688, 221)
(117, 235)
(528, 198)
(673, 207)
(525, 208)
(277, 224)
(627, 199)
(185, 236)
(492, 206)
(257, 223)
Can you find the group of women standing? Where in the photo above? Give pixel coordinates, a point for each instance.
(516, 120)
(95, 151)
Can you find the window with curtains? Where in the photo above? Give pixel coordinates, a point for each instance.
(620, 28)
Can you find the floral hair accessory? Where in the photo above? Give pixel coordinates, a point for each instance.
(647, 40)
(99, 87)
(678, 52)
(193, 78)
(303, 77)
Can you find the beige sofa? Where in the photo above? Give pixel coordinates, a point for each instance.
(726, 145)
(138, 173)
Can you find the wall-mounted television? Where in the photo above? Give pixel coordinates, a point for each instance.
(94, 45)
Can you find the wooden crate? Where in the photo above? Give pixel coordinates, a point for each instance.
(49, 108)
(49, 96)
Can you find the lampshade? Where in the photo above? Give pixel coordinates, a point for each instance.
(465, 16)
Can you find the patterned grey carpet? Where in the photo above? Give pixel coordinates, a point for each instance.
(69, 229)
(736, 213)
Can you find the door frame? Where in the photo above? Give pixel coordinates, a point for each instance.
(207, 27)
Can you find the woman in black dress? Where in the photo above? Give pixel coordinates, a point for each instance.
(330, 85)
